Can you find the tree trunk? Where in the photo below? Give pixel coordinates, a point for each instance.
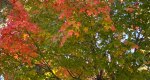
(100, 75)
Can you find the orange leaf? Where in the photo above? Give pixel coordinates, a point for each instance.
(25, 36)
(135, 46)
(130, 10)
(16, 56)
(33, 54)
(76, 34)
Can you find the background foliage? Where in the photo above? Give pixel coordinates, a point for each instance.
(75, 39)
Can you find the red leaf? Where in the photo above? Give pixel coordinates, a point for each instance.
(70, 33)
(113, 28)
(63, 41)
(60, 1)
(14, 37)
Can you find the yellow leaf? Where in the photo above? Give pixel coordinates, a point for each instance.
(25, 36)
(85, 29)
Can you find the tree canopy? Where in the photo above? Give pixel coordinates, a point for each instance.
(75, 39)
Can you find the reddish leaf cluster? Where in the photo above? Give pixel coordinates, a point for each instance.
(68, 8)
(91, 7)
(14, 37)
(70, 32)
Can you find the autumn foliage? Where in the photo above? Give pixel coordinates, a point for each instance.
(69, 10)
(15, 36)
(75, 40)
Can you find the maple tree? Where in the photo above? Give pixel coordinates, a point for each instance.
(75, 39)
